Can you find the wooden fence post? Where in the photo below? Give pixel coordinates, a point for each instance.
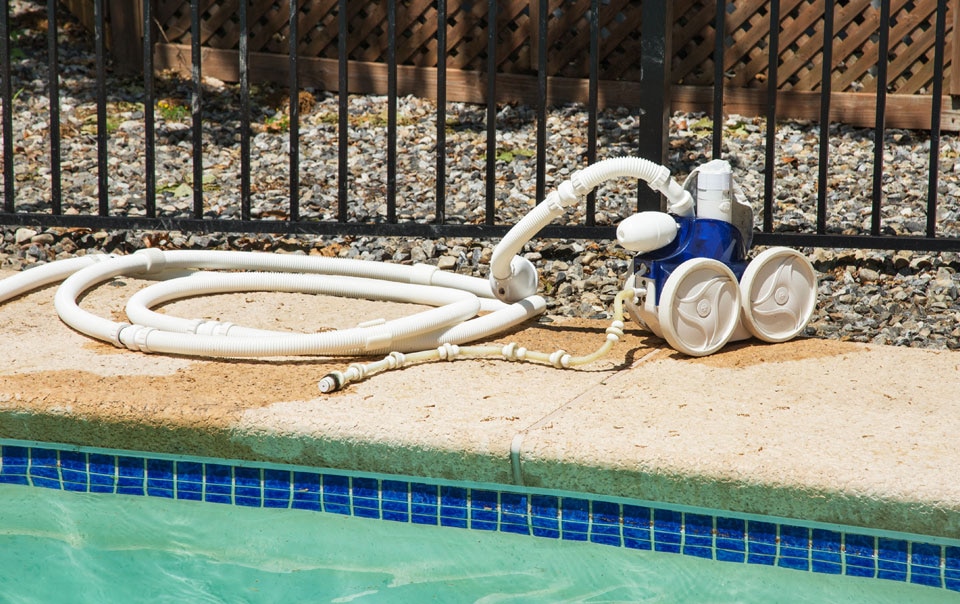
(126, 35)
(954, 58)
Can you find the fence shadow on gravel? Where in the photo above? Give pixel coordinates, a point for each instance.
(93, 149)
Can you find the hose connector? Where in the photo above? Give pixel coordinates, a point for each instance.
(522, 282)
(155, 260)
(567, 194)
(331, 382)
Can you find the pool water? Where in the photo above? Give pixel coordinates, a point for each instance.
(116, 548)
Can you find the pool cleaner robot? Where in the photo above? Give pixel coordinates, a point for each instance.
(695, 287)
(692, 283)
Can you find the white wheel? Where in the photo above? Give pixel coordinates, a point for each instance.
(699, 307)
(779, 293)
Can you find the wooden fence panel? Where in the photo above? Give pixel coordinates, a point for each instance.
(854, 46)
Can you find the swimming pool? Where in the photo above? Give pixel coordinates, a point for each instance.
(561, 531)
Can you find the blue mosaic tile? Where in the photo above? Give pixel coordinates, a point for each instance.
(366, 497)
(247, 487)
(454, 503)
(189, 480)
(73, 469)
(395, 499)
(336, 494)
(276, 488)
(13, 464)
(131, 476)
(545, 516)
(951, 557)
(14, 456)
(826, 552)
(859, 555)
(606, 524)
(761, 542)
(698, 535)
(951, 564)
(574, 518)
(513, 513)
(667, 530)
(925, 564)
(794, 547)
(484, 510)
(892, 559)
(160, 478)
(103, 473)
(306, 491)
(218, 482)
(43, 469)
(636, 527)
(14, 478)
(424, 503)
(731, 539)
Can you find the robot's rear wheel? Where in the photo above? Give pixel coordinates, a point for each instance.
(779, 293)
(699, 306)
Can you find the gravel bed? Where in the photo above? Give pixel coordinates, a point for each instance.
(903, 298)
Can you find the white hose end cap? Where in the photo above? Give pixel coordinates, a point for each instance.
(522, 282)
(647, 231)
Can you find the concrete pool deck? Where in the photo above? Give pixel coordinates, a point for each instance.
(814, 430)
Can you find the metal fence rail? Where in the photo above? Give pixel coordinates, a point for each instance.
(652, 144)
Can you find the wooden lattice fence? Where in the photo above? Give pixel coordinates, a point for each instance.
(855, 51)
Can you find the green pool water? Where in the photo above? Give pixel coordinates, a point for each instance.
(76, 547)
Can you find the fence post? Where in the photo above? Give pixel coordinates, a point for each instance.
(126, 36)
(955, 50)
(656, 52)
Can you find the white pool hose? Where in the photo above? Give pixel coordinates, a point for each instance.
(512, 277)
(508, 298)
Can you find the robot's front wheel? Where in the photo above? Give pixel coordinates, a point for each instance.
(699, 307)
(779, 294)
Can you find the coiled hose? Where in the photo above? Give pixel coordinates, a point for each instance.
(508, 298)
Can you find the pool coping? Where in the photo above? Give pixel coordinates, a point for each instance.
(831, 432)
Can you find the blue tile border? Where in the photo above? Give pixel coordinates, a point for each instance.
(616, 522)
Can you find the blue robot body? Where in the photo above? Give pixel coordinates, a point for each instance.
(696, 238)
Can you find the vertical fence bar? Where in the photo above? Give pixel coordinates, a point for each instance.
(441, 184)
(6, 91)
(826, 89)
(343, 124)
(655, 56)
(196, 109)
(593, 102)
(149, 127)
(770, 151)
(53, 77)
(879, 132)
(719, 53)
(542, 47)
(936, 105)
(294, 112)
(244, 60)
(491, 174)
(99, 44)
(391, 111)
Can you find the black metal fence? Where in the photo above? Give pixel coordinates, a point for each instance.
(652, 142)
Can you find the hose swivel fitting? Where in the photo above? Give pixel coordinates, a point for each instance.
(331, 382)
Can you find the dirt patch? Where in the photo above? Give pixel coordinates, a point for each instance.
(219, 390)
(752, 352)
